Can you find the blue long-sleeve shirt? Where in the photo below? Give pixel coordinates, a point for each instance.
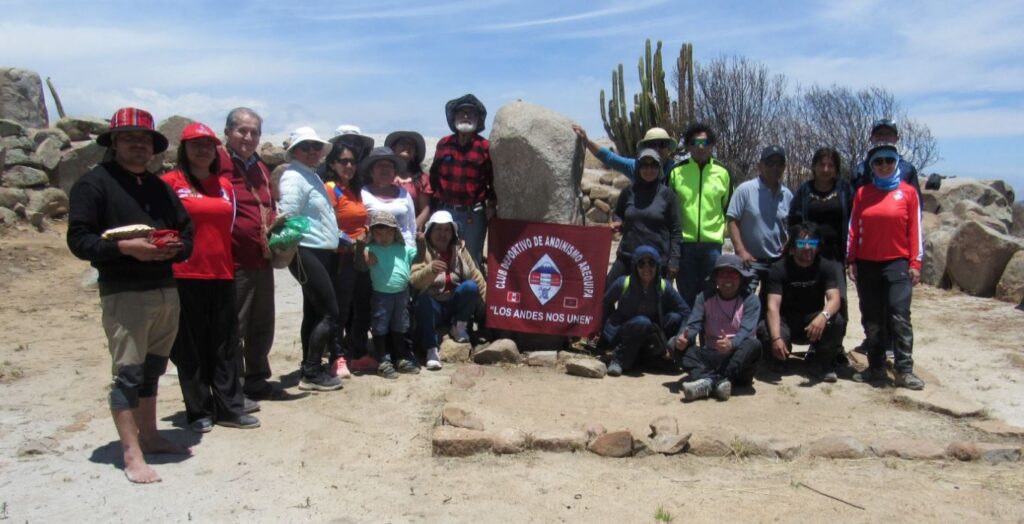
(626, 165)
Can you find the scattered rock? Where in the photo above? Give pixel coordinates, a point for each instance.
(11, 128)
(664, 424)
(616, 444)
(592, 429)
(21, 97)
(586, 367)
(977, 256)
(452, 351)
(838, 447)
(501, 350)
(670, 443)
(998, 428)
(641, 449)
(1011, 283)
(9, 196)
(449, 441)
(24, 176)
(939, 400)
(540, 164)
(542, 358)
(458, 417)
(8, 217)
(41, 446)
(49, 202)
(78, 129)
(716, 444)
(771, 447)
(991, 453)
(76, 161)
(509, 441)
(559, 441)
(910, 449)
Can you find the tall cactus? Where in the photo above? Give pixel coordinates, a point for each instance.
(652, 106)
(682, 108)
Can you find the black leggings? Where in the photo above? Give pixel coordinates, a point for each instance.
(316, 271)
(353, 289)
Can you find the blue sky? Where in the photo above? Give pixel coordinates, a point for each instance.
(392, 64)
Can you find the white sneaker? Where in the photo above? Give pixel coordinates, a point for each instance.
(433, 360)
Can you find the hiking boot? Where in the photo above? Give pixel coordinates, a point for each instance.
(614, 368)
(203, 425)
(258, 390)
(697, 389)
(339, 368)
(723, 390)
(364, 364)
(386, 370)
(249, 406)
(320, 382)
(242, 422)
(433, 360)
(870, 375)
(829, 376)
(909, 381)
(408, 367)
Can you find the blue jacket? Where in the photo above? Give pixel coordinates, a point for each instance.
(801, 203)
(626, 165)
(622, 302)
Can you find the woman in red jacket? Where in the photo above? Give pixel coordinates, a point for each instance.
(885, 249)
(203, 350)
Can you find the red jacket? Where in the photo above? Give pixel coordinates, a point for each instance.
(886, 225)
(212, 209)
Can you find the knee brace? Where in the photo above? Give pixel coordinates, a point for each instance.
(124, 392)
(152, 369)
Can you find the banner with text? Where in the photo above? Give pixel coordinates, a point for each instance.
(546, 278)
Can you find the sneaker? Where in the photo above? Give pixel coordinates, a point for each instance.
(433, 360)
(203, 425)
(697, 389)
(386, 370)
(869, 375)
(339, 368)
(829, 376)
(909, 381)
(249, 406)
(258, 390)
(407, 366)
(364, 364)
(242, 422)
(614, 368)
(723, 390)
(458, 333)
(321, 382)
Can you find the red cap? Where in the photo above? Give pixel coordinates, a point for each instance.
(198, 130)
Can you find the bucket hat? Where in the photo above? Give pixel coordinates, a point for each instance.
(466, 100)
(378, 154)
(732, 261)
(133, 119)
(351, 136)
(382, 218)
(421, 146)
(306, 134)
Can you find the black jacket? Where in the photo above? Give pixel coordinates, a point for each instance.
(649, 212)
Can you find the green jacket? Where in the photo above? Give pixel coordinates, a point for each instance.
(703, 198)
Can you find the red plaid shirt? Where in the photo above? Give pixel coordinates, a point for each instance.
(462, 175)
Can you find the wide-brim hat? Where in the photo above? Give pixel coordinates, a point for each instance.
(421, 145)
(378, 154)
(731, 261)
(306, 134)
(198, 130)
(655, 134)
(467, 100)
(133, 119)
(382, 218)
(351, 137)
(441, 217)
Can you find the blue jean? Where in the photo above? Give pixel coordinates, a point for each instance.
(472, 228)
(431, 313)
(389, 312)
(696, 261)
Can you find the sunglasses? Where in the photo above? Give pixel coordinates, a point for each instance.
(309, 146)
(646, 263)
(775, 163)
(346, 161)
(648, 164)
(807, 243)
(884, 160)
(660, 144)
(700, 142)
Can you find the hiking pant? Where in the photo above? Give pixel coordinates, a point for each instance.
(254, 313)
(642, 338)
(738, 365)
(885, 291)
(316, 271)
(821, 353)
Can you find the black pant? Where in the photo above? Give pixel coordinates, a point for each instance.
(204, 350)
(738, 365)
(885, 291)
(316, 270)
(254, 309)
(642, 338)
(823, 352)
(353, 289)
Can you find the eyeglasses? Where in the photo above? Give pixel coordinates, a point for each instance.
(700, 142)
(807, 243)
(646, 263)
(346, 161)
(308, 146)
(883, 160)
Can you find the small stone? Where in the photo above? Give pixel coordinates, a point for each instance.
(501, 350)
(559, 441)
(592, 429)
(462, 381)
(8, 217)
(509, 441)
(998, 428)
(586, 367)
(616, 444)
(599, 192)
(991, 453)
(452, 351)
(664, 424)
(621, 182)
(838, 447)
(670, 443)
(603, 206)
(909, 449)
(9, 196)
(48, 154)
(939, 400)
(547, 359)
(449, 441)
(24, 176)
(460, 418)
(716, 444)
(641, 449)
(49, 202)
(608, 177)
(596, 216)
(770, 447)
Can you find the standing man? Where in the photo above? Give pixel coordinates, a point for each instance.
(757, 216)
(703, 187)
(803, 303)
(885, 131)
(254, 276)
(461, 173)
(655, 138)
(138, 293)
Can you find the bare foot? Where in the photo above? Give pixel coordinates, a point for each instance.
(139, 472)
(158, 444)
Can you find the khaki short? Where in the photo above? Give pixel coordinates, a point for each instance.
(138, 323)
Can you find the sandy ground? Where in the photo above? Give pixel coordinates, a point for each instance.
(363, 454)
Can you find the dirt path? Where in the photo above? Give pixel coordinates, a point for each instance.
(364, 454)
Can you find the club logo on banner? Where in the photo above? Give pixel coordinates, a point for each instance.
(546, 278)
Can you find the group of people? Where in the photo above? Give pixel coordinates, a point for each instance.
(186, 270)
(785, 284)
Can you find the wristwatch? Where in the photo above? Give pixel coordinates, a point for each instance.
(826, 315)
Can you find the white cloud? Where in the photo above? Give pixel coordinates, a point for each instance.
(596, 13)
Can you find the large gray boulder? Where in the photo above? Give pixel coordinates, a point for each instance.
(48, 154)
(977, 256)
(994, 215)
(1011, 283)
(21, 97)
(955, 190)
(24, 176)
(1018, 219)
(11, 128)
(1003, 188)
(538, 164)
(936, 249)
(79, 129)
(77, 161)
(49, 202)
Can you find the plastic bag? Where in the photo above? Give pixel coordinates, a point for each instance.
(289, 233)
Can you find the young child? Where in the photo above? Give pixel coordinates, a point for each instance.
(389, 260)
